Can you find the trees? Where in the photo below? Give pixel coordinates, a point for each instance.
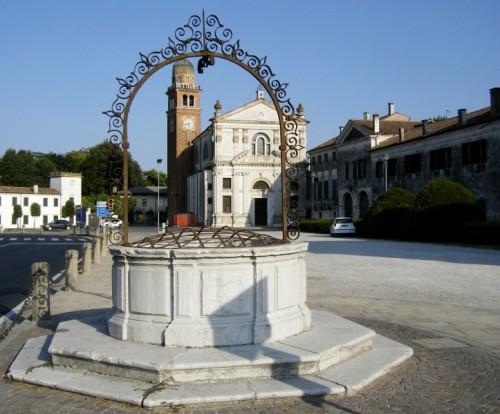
(35, 211)
(17, 213)
(151, 178)
(69, 210)
(102, 165)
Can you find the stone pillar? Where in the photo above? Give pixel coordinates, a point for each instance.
(71, 274)
(97, 250)
(104, 241)
(87, 258)
(41, 292)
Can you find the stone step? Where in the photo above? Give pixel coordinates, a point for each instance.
(33, 366)
(85, 345)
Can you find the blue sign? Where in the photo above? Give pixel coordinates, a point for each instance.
(103, 212)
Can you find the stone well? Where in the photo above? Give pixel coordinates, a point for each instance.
(204, 296)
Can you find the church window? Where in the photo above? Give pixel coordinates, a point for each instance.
(261, 145)
(226, 183)
(184, 100)
(191, 100)
(261, 185)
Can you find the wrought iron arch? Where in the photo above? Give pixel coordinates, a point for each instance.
(207, 39)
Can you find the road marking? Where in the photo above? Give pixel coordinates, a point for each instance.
(27, 239)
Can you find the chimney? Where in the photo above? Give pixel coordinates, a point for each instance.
(401, 134)
(391, 108)
(376, 123)
(495, 101)
(35, 188)
(366, 116)
(425, 126)
(462, 116)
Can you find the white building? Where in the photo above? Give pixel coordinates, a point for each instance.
(63, 187)
(237, 168)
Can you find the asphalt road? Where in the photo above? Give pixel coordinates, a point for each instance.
(19, 251)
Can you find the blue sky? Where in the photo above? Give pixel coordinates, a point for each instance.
(60, 60)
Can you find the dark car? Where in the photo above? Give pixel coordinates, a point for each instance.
(57, 225)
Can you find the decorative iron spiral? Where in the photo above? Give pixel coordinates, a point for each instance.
(206, 38)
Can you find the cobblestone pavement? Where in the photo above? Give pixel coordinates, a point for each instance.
(455, 367)
(442, 377)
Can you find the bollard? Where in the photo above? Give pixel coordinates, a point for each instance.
(41, 293)
(87, 258)
(104, 241)
(97, 250)
(71, 274)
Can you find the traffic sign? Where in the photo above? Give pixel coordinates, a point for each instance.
(103, 211)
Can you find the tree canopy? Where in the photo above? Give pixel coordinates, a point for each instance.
(98, 165)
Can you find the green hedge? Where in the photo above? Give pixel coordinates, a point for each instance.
(387, 214)
(443, 211)
(482, 233)
(321, 226)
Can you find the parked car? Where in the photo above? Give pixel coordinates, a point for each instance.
(57, 225)
(113, 223)
(341, 226)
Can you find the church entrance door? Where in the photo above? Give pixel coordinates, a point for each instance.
(260, 218)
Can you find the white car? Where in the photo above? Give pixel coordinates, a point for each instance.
(112, 224)
(341, 226)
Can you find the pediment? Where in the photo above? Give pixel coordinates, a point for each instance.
(256, 111)
(352, 133)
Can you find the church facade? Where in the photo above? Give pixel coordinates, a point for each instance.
(235, 177)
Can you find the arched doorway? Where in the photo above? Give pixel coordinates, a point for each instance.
(348, 210)
(364, 203)
(260, 204)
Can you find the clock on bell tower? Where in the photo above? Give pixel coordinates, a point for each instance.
(183, 125)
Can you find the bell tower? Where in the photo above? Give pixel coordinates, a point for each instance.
(183, 125)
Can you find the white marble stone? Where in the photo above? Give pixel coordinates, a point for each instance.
(202, 297)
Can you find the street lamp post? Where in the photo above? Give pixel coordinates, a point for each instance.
(159, 160)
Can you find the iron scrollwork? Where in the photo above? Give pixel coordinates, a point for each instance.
(208, 39)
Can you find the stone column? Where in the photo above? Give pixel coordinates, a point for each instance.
(104, 240)
(97, 250)
(41, 292)
(71, 274)
(87, 258)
